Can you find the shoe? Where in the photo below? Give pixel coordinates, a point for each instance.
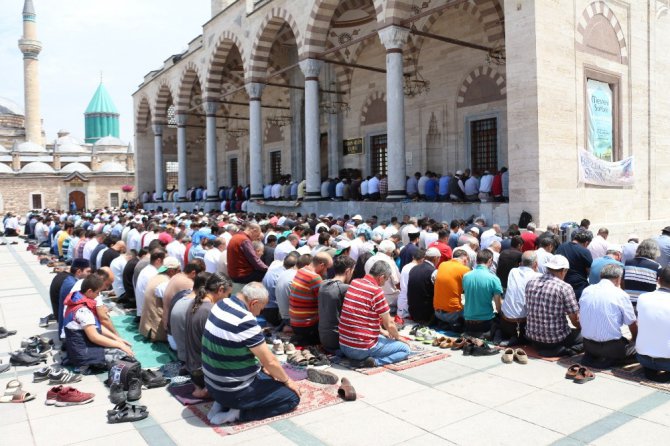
(439, 340)
(321, 376)
(447, 343)
(44, 322)
(4, 332)
(24, 359)
(153, 379)
(520, 356)
(53, 393)
(484, 350)
(346, 391)
(134, 390)
(289, 348)
(584, 375)
(278, 347)
(116, 393)
(369, 362)
(123, 413)
(63, 376)
(467, 349)
(508, 356)
(42, 374)
(72, 397)
(459, 343)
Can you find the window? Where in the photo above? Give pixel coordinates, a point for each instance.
(114, 199)
(36, 201)
(378, 155)
(171, 174)
(601, 115)
(172, 116)
(234, 180)
(484, 145)
(275, 166)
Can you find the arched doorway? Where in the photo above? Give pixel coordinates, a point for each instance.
(79, 199)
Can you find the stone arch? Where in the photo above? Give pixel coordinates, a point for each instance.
(374, 109)
(481, 86)
(273, 133)
(260, 54)
(217, 63)
(190, 76)
(163, 99)
(600, 33)
(143, 115)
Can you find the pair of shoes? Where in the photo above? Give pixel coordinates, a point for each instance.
(118, 396)
(153, 379)
(474, 348)
(41, 343)
(511, 355)
(55, 375)
(579, 374)
(124, 412)
(321, 376)
(62, 396)
(321, 358)
(346, 391)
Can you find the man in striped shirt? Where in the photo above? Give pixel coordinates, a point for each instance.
(233, 351)
(361, 337)
(304, 299)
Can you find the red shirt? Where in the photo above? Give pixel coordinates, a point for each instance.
(528, 241)
(363, 305)
(445, 250)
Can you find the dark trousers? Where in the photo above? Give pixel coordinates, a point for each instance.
(272, 316)
(513, 330)
(304, 336)
(573, 343)
(256, 276)
(479, 328)
(263, 398)
(618, 349)
(9, 232)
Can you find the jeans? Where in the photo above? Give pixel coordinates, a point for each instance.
(263, 398)
(660, 364)
(387, 351)
(454, 321)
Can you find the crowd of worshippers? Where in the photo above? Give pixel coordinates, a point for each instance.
(205, 283)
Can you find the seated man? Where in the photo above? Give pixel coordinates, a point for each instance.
(151, 324)
(242, 388)
(361, 338)
(481, 287)
(449, 289)
(548, 300)
(613, 255)
(331, 299)
(603, 309)
(653, 340)
(88, 342)
(513, 314)
(421, 288)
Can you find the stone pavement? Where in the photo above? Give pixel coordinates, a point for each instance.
(459, 400)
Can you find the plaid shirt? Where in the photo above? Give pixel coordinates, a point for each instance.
(384, 187)
(548, 301)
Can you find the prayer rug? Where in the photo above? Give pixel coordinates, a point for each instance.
(184, 394)
(294, 372)
(532, 353)
(314, 396)
(418, 358)
(150, 354)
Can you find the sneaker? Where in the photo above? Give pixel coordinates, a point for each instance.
(321, 376)
(70, 396)
(44, 322)
(63, 376)
(134, 390)
(53, 393)
(116, 393)
(277, 347)
(484, 350)
(42, 374)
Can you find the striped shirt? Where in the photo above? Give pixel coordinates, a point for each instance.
(230, 332)
(363, 305)
(640, 276)
(304, 298)
(603, 309)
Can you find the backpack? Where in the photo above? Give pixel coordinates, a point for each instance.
(524, 219)
(123, 370)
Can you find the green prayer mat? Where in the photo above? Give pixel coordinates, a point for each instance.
(150, 354)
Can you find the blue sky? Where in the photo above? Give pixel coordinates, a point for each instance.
(125, 39)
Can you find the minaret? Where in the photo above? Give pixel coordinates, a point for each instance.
(31, 47)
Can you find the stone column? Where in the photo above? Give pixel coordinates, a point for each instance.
(394, 38)
(311, 68)
(255, 90)
(334, 131)
(159, 168)
(182, 179)
(297, 98)
(210, 132)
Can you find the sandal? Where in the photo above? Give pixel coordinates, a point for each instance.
(20, 396)
(584, 375)
(12, 387)
(447, 343)
(122, 404)
(126, 413)
(289, 348)
(309, 357)
(298, 359)
(572, 371)
(439, 340)
(458, 343)
(346, 391)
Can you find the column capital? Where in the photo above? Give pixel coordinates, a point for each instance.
(157, 129)
(210, 107)
(311, 68)
(393, 37)
(181, 119)
(254, 90)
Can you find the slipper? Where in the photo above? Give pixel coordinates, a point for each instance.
(289, 348)
(12, 387)
(508, 356)
(584, 375)
(311, 359)
(120, 406)
(346, 391)
(298, 359)
(459, 343)
(448, 343)
(439, 340)
(572, 371)
(126, 413)
(19, 397)
(520, 356)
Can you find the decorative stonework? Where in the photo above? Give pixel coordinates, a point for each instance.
(217, 64)
(374, 109)
(393, 37)
(481, 86)
(260, 54)
(189, 77)
(143, 115)
(255, 90)
(311, 67)
(600, 33)
(163, 98)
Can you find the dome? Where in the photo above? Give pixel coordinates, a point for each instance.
(37, 167)
(3, 149)
(75, 167)
(110, 141)
(69, 147)
(9, 107)
(4, 168)
(112, 166)
(28, 146)
(67, 138)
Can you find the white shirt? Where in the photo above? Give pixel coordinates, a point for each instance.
(472, 186)
(98, 260)
(404, 233)
(12, 223)
(134, 240)
(140, 287)
(426, 238)
(390, 287)
(373, 185)
(421, 185)
(89, 247)
(41, 232)
(542, 258)
(324, 189)
(339, 189)
(653, 316)
(148, 238)
(514, 304)
(603, 310)
(177, 250)
(403, 306)
(117, 266)
(364, 187)
(283, 249)
(598, 247)
(486, 183)
(276, 190)
(212, 258)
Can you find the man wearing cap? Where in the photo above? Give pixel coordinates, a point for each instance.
(151, 325)
(548, 300)
(612, 256)
(421, 287)
(663, 241)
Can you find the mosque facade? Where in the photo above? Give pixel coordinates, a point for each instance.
(65, 173)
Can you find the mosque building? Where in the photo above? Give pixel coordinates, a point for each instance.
(570, 95)
(65, 173)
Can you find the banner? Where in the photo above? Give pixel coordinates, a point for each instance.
(593, 170)
(600, 138)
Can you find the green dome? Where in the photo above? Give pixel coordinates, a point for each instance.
(101, 102)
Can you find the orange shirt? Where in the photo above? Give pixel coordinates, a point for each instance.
(449, 286)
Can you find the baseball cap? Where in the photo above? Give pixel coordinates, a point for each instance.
(169, 263)
(357, 217)
(164, 238)
(341, 246)
(557, 262)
